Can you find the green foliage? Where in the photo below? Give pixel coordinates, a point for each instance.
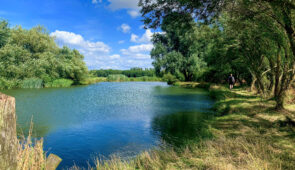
(133, 72)
(117, 77)
(146, 78)
(60, 83)
(28, 55)
(169, 78)
(4, 33)
(176, 51)
(92, 80)
(31, 83)
(253, 40)
(8, 84)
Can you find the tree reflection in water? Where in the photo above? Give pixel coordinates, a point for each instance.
(181, 128)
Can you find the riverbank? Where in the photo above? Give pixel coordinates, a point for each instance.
(63, 83)
(248, 134)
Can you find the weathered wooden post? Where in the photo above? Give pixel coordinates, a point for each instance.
(8, 138)
(52, 162)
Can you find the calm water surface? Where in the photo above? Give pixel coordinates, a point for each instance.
(81, 123)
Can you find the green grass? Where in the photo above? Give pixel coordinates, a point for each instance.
(60, 83)
(92, 80)
(123, 78)
(144, 78)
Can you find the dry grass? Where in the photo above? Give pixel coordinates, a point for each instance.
(30, 155)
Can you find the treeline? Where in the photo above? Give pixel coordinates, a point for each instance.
(206, 40)
(31, 58)
(133, 72)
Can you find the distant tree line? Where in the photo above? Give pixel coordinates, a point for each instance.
(30, 58)
(133, 72)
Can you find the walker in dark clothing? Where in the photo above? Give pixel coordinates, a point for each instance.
(231, 81)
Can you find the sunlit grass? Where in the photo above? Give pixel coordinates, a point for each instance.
(92, 80)
(60, 83)
(30, 154)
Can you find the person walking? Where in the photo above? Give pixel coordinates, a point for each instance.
(231, 81)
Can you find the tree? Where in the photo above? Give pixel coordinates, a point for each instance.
(275, 14)
(175, 50)
(4, 33)
(33, 55)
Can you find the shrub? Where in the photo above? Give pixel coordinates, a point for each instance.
(117, 77)
(8, 84)
(169, 78)
(60, 83)
(92, 80)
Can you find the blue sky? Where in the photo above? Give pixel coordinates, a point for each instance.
(109, 33)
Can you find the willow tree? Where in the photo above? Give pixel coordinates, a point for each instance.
(278, 12)
(175, 50)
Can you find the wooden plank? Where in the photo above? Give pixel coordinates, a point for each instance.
(52, 162)
(8, 138)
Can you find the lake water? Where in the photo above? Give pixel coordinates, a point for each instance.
(84, 122)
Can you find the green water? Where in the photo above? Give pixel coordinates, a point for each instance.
(80, 123)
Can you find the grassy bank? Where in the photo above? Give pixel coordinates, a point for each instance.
(247, 134)
(123, 78)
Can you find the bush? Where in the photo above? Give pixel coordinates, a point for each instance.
(60, 83)
(8, 84)
(31, 83)
(169, 78)
(92, 80)
(117, 77)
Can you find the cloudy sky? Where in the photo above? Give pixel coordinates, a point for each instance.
(109, 33)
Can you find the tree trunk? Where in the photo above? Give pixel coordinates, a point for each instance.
(253, 83)
(261, 88)
(280, 101)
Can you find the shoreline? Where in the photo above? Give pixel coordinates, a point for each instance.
(246, 134)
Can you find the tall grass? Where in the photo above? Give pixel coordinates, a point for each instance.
(117, 78)
(31, 83)
(145, 78)
(222, 153)
(92, 80)
(60, 83)
(30, 155)
(121, 77)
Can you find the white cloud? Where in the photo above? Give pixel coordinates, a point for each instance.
(77, 41)
(134, 38)
(138, 51)
(125, 28)
(115, 56)
(123, 4)
(133, 13)
(138, 48)
(95, 1)
(145, 38)
(98, 54)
